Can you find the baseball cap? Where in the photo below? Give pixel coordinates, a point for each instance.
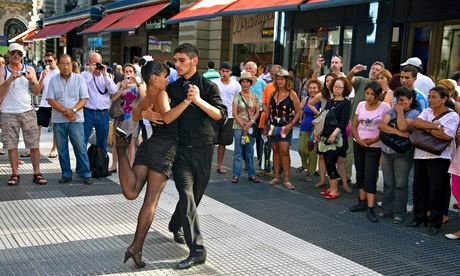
(226, 65)
(414, 61)
(16, 47)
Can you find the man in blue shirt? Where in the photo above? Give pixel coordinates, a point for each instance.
(67, 95)
(407, 78)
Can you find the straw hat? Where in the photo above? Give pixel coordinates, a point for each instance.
(284, 73)
(247, 76)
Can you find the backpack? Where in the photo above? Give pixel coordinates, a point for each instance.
(98, 161)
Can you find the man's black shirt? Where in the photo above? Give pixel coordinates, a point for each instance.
(195, 126)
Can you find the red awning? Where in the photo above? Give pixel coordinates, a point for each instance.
(201, 10)
(258, 6)
(133, 20)
(20, 37)
(105, 22)
(58, 29)
(29, 37)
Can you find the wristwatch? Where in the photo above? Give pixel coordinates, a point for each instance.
(74, 110)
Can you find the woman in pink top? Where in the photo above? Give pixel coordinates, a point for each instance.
(366, 146)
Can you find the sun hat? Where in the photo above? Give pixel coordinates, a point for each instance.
(247, 76)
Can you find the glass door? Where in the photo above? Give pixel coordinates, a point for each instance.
(449, 56)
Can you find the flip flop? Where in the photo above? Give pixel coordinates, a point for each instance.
(221, 170)
(51, 155)
(26, 154)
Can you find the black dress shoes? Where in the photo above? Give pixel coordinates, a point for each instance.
(416, 223)
(179, 236)
(64, 180)
(433, 231)
(192, 261)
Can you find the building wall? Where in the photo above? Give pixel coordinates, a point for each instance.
(16, 9)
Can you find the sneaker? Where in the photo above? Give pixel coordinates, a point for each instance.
(379, 203)
(371, 216)
(360, 207)
(87, 181)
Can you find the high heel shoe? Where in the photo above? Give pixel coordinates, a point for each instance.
(137, 258)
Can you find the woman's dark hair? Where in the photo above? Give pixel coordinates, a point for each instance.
(375, 87)
(347, 87)
(443, 93)
(326, 93)
(153, 68)
(408, 93)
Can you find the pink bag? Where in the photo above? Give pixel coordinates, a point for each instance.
(454, 167)
(348, 130)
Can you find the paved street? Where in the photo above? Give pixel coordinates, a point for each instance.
(249, 229)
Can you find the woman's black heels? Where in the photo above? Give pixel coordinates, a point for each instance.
(137, 258)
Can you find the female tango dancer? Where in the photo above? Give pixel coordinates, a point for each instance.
(154, 157)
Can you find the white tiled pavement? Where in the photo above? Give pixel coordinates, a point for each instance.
(34, 232)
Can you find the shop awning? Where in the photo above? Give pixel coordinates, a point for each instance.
(321, 4)
(258, 6)
(58, 29)
(203, 9)
(20, 37)
(133, 20)
(106, 21)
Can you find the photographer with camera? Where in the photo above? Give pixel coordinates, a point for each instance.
(18, 113)
(100, 87)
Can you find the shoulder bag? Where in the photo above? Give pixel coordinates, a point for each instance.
(251, 130)
(425, 141)
(393, 141)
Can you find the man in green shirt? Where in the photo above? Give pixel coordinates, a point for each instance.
(212, 73)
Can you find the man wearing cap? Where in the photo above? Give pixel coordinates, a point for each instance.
(18, 113)
(228, 88)
(422, 83)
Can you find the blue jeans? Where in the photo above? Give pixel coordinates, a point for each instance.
(74, 131)
(238, 154)
(100, 121)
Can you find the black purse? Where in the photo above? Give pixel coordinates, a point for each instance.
(393, 141)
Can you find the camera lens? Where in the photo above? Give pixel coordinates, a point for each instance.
(24, 73)
(99, 66)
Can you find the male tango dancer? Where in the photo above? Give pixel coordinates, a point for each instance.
(192, 164)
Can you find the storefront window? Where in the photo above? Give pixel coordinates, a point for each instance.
(308, 44)
(261, 53)
(450, 51)
(160, 47)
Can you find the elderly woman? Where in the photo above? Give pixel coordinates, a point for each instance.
(307, 151)
(431, 177)
(333, 141)
(284, 112)
(397, 165)
(245, 110)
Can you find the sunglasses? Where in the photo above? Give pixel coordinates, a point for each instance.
(19, 53)
(48, 60)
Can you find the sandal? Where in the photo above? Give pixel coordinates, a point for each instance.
(274, 182)
(221, 170)
(25, 154)
(52, 155)
(39, 179)
(288, 185)
(14, 180)
(299, 169)
(235, 179)
(254, 179)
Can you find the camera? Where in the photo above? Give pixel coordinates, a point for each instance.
(99, 66)
(109, 70)
(364, 67)
(128, 79)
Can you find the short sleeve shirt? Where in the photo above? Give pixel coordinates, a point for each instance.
(368, 126)
(449, 123)
(245, 109)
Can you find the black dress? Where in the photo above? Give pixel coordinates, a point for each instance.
(158, 152)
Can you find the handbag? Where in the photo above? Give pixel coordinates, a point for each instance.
(330, 119)
(253, 126)
(393, 141)
(425, 141)
(319, 121)
(116, 110)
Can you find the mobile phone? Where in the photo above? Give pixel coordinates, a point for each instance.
(364, 67)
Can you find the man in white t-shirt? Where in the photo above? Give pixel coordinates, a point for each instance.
(422, 83)
(44, 109)
(228, 88)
